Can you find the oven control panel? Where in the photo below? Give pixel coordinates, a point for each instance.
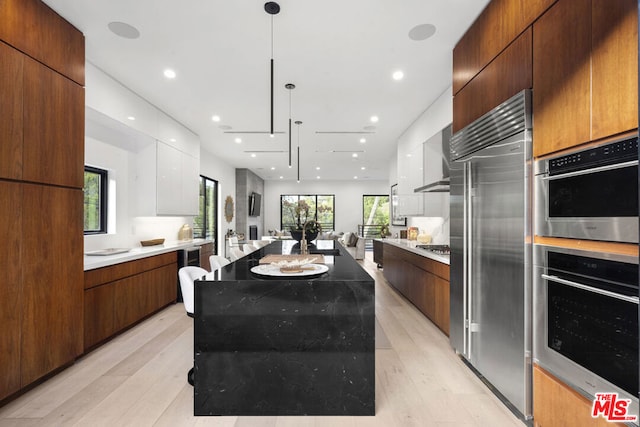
(614, 152)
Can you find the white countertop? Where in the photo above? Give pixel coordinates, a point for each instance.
(96, 261)
(410, 245)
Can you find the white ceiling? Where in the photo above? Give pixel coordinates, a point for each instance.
(340, 54)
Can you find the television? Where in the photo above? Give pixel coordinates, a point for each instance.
(255, 200)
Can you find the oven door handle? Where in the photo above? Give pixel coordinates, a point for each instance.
(592, 170)
(615, 295)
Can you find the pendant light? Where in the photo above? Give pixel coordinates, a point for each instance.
(290, 86)
(298, 122)
(272, 8)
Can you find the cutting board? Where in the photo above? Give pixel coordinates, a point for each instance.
(271, 258)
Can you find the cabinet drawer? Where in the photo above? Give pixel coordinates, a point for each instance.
(104, 275)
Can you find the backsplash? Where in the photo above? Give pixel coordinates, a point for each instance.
(436, 227)
(142, 228)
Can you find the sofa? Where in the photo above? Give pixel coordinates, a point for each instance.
(354, 244)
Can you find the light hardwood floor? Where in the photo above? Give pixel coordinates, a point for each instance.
(139, 379)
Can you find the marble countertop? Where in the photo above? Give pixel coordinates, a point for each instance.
(92, 261)
(410, 245)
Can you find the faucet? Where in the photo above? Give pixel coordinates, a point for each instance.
(304, 249)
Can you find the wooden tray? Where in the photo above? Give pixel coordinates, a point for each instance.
(152, 242)
(271, 258)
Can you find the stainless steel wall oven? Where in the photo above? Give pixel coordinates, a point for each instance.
(590, 194)
(586, 318)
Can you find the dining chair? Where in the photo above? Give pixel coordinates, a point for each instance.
(187, 276)
(233, 241)
(217, 262)
(248, 248)
(261, 243)
(236, 254)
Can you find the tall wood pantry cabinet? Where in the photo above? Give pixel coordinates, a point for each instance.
(41, 197)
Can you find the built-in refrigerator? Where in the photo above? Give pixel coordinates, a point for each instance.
(491, 249)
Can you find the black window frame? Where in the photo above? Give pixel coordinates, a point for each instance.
(333, 224)
(104, 198)
(201, 234)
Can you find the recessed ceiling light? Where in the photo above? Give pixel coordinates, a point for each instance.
(318, 177)
(253, 154)
(409, 155)
(131, 118)
(317, 168)
(355, 177)
(273, 168)
(362, 168)
(374, 119)
(354, 155)
(271, 135)
(172, 140)
(422, 32)
(215, 118)
(363, 140)
(398, 75)
(281, 177)
(238, 140)
(123, 29)
(169, 73)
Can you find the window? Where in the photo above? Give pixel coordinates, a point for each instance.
(95, 200)
(321, 208)
(375, 214)
(205, 224)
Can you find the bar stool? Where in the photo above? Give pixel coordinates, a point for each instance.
(187, 276)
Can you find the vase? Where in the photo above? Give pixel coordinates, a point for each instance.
(309, 235)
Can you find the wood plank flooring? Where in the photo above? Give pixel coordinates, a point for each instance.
(139, 379)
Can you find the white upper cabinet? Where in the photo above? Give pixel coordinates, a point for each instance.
(168, 182)
(410, 171)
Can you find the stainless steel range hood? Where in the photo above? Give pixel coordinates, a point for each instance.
(441, 185)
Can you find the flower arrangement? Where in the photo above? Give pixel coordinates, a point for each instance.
(300, 211)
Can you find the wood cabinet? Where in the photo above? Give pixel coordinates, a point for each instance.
(378, 253)
(10, 286)
(421, 280)
(501, 22)
(121, 295)
(11, 75)
(585, 75)
(41, 156)
(35, 29)
(614, 66)
(555, 404)
(206, 251)
(561, 76)
(53, 126)
(508, 74)
(52, 293)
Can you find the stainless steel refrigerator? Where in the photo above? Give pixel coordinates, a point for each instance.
(491, 249)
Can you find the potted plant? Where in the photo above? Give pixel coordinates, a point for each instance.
(300, 211)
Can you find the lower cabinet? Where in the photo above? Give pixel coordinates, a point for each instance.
(378, 248)
(555, 404)
(421, 280)
(118, 296)
(206, 251)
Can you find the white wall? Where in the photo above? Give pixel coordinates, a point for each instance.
(348, 201)
(214, 168)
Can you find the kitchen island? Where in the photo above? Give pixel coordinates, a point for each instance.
(285, 345)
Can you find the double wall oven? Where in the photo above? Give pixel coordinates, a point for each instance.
(586, 320)
(590, 194)
(586, 301)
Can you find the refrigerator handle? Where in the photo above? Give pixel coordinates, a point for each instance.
(467, 257)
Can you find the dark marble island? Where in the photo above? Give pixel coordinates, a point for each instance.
(285, 346)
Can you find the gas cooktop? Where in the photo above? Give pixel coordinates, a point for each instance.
(436, 249)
